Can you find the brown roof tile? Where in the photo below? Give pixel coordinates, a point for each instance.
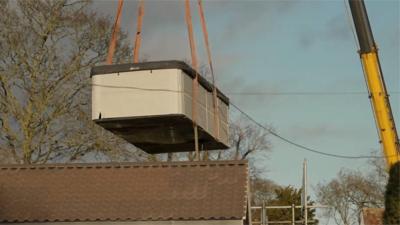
(372, 216)
(124, 192)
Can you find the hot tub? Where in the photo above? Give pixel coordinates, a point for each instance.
(150, 105)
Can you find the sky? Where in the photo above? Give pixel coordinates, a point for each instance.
(285, 48)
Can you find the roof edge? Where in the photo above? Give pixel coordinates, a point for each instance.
(123, 220)
(125, 165)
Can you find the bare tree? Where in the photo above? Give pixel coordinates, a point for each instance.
(245, 139)
(351, 191)
(263, 190)
(47, 50)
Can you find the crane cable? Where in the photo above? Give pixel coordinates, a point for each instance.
(351, 24)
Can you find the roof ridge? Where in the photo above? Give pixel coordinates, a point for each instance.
(123, 165)
(124, 219)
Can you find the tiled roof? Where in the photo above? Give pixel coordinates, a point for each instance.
(372, 216)
(124, 192)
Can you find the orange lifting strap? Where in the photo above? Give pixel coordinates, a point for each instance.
(195, 83)
(138, 36)
(116, 27)
(205, 35)
(193, 52)
(113, 41)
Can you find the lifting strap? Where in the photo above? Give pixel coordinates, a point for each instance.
(195, 83)
(113, 41)
(138, 36)
(207, 44)
(193, 52)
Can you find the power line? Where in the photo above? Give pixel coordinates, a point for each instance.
(137, 88)
(245, 93)
(300, 146)
(305, 93)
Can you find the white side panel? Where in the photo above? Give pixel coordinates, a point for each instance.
(187, 98)
(205, 110)
(201, 117)
(210, 113)
(136, 93)
(202, 107)
(223, 121)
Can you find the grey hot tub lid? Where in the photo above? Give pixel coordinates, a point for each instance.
(156, 65)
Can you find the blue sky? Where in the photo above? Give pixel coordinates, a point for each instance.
(285, 47)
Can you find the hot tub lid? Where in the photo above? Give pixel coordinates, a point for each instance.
(157, 65)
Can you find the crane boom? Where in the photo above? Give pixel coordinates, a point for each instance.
(376, 85)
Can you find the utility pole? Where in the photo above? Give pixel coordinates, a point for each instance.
(304, 202)
(303, 207)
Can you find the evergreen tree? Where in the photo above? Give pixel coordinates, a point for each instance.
(391, 215)
(287, 196)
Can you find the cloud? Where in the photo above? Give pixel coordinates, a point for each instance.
(165, 35)
(244, 17)
(324, 131)
(338, 29)
(306, 40)
(164, 21)
(335, 29)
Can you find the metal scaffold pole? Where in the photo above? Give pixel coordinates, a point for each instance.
(293, 215)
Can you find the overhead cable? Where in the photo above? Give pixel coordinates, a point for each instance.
(300, 146)
(304, 93)
(273, 133)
